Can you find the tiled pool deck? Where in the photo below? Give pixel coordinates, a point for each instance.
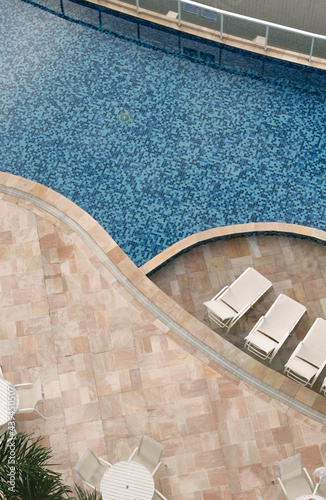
(76, 311)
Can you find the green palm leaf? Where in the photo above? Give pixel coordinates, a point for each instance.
(26, 463)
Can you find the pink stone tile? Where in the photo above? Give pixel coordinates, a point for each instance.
(201, 423)
(125, 359)
(117, 373)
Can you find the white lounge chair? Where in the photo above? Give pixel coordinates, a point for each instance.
(323, 387)
(271, 331)
(309, 358)
(292, 478)
(232, 302)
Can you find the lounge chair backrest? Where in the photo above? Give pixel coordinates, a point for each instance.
(313, 346)
(316, 337)
(312, 356)
(246, 289)
(281, 317)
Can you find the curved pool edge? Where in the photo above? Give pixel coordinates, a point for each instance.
(235, 230)
(186, 330)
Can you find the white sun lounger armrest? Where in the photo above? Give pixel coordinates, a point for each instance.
(220, 292)
(237, 317)
(259, 322)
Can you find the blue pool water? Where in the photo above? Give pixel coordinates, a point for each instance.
(213, 136)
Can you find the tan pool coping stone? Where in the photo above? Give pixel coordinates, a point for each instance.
(232, 41)
(31, 195)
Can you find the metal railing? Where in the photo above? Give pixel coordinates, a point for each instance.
(245, 19)
(220, 22)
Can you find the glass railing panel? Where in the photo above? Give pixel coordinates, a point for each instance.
(50, 4)
(319, 49)
(248, 30)
(119, 26)
(287, 40)
(82, 13)
(162, 7)
(129, 2)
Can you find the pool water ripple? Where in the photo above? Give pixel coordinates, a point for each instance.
(230, 137)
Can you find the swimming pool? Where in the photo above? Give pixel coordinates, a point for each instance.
(158, 135)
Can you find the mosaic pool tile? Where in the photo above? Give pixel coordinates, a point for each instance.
(217, 136)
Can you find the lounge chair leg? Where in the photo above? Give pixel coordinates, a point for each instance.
(227, 331)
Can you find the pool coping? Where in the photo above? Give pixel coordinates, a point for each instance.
(186, 330)
(234, 230)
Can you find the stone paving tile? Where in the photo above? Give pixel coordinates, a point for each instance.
(111, 372)
(295, 267)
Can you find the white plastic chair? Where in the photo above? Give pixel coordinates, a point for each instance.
(323, 387)
(29, 399)
(271, 331)
(292, 478)
(148, 454)
(91, 470)
(232, 302)
(309, 358)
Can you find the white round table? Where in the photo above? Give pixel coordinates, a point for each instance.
(127, 481)
(310, 497)
(9, 401)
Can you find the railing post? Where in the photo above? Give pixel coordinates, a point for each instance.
(221, 30)
(311, 48)
(137, 6)
(179, 13)
(266, 37)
